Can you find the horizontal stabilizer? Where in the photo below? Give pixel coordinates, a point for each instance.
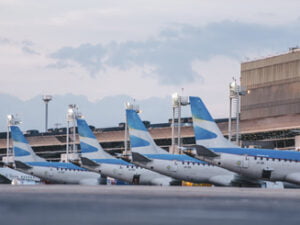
(89, 163)
(137, 157)
(205, 152)
(22, 166)
(4, 179)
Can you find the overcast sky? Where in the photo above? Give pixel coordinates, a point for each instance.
(141, 49)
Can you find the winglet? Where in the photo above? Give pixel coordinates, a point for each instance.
(137, 157)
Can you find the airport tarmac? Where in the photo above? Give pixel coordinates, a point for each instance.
(70, 204)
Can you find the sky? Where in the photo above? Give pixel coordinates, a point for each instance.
(97, 53)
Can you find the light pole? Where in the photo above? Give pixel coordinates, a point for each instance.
(71, 154)
(46, 99)
(177, 102)
(235, 93)
(9, 159)
(136, 108)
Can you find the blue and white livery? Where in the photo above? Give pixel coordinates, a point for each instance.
(96, 159)
(148, 155)
(266, 164)
(11, 176)
(54, 172)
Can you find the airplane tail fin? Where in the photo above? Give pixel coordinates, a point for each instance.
(22, 150)
(90, 147)
(140, 138)
(207, 132)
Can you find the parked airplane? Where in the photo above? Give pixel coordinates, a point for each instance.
(266, 164)
(96, 159)
(147, 154)
(11, 176)
(55, 172)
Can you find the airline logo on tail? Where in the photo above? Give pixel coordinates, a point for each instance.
(88, 141)
(207, 132)
(21, 145)
(138, 131)
(140, 139)
(89, 144)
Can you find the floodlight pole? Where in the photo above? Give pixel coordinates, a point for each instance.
(179, 123)
(67, 141)
(235, 93)
(7, 141)
(229, 119)
(46, 99)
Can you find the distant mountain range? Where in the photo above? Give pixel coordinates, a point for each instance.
(107, 112)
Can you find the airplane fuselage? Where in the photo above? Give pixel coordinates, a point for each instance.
(260, 164)
(131, 173)
(62, 174)
(188, 170)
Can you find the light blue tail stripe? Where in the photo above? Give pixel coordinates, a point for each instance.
(199, 110)
(20, 152)
(203, 134)
(134, 121)
(136, 142)
(86, 148)
(17, 135)
(84, 130)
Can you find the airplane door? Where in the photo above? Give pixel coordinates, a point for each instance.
(266, 173)
(245, 163)
(136, 179)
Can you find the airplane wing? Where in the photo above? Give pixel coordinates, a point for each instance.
(293, 178)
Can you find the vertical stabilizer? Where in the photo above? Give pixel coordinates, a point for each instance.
(207, 132)
(90, 147)
(22, 150)
(140, 138)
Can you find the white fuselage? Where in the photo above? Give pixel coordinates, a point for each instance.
(259, 167)
(12, 175)
(133, 174)
(64, 175)
(191, 171)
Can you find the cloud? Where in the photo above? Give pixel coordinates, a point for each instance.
(88, 56)
(171, 53)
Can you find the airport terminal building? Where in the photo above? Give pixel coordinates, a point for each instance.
(270, 114)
